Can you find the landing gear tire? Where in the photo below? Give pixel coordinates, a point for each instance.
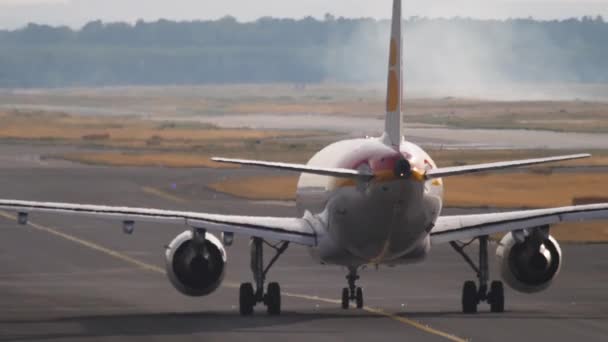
(273, 299)
(469, 297)
(473, 294)
(352, 292)
(345, 298)
(496, 297)
(359, 298)
(246, 299)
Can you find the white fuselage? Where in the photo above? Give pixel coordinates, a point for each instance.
(382, 221)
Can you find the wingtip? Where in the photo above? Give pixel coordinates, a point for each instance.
(574, 156)
(580, 156)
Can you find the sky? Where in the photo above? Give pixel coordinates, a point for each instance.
(75, 13)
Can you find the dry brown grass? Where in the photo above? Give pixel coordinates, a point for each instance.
(581, 232)
(567, 116)
(172, 160)
(124, 131)
(348, 100)
(197, 157)
(519, 190)
(352, 108)
(596, 160)
(461, 157)
(259, 188)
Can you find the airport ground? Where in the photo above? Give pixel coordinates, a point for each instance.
(79, 279)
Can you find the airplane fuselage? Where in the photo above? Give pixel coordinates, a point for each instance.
(382, 221)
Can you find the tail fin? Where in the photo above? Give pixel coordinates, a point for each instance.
(394, 95)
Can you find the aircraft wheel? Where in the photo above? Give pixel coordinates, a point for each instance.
(345, 298)
(497, 297)
(273, 302)
(469, 297)
(359, 298)
(246, 299)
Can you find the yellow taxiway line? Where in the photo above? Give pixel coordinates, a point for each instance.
(149, 267)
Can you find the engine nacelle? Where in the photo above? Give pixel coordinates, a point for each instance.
(529, 266)
(195, 271)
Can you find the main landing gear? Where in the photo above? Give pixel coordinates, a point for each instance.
(352, 293)
(248, 297)
(473, 295)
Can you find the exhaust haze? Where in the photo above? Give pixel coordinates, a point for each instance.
(513, 59)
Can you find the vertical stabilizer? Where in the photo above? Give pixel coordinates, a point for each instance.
(393, 121)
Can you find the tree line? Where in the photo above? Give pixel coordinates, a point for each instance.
(306, 50)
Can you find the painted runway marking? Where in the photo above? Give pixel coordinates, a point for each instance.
(149, 267)
(381, 312)
(89, 244)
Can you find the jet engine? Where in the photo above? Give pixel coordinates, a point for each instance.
(195, 268)
(529, 264)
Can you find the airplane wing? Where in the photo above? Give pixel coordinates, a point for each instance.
(335, 172)
(461, 170)
(464, 227)
(297, 230)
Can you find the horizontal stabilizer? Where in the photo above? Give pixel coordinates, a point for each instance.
(334, 172)
(461, 170)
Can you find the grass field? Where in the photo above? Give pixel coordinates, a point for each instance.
(561, 116)
(571, 115)
(472, 156)
(130, 132)
(523, 190)
(259, 188)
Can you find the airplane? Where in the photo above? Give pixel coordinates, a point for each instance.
(367, 201)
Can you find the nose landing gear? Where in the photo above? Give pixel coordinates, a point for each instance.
(352, 293)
